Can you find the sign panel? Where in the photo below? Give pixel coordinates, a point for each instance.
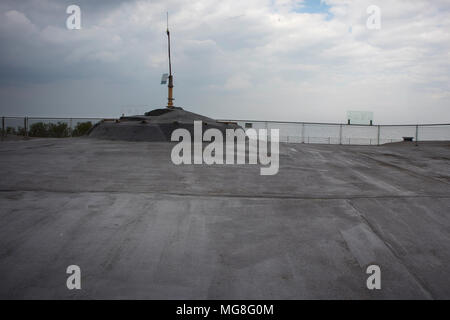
(360, 117)
(164, 78)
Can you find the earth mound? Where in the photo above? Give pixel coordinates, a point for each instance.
(155, 125)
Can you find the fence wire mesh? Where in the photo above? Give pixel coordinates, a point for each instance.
(290, 132)
(334, 133)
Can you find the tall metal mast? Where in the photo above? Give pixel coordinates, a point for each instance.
(170, 85)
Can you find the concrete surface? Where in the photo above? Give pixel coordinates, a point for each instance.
(141, 227)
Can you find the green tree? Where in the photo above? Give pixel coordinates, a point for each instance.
(21, 131)
(39, 129)
(81, 128)
(59, 130)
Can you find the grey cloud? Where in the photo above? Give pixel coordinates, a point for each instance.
(236, 59)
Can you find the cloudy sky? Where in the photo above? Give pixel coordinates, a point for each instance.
(289, 60)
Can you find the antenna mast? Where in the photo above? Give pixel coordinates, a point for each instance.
(170, 85)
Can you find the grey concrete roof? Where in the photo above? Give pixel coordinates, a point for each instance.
(141, 227)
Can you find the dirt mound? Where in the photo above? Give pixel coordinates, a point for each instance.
(155, 125)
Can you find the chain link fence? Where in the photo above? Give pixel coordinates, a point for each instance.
(290, 132)
(335, 133)
(46, 127)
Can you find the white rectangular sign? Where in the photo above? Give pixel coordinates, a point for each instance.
(360, 117)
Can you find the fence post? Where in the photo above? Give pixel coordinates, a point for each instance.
(267, 131)
(340, 133)
(303, 132)
(417, 134)
(378, 135)
(25, 126)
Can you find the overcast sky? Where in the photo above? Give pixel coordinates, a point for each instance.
(252, 59)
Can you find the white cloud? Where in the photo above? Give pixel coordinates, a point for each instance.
(237, 82)
(14, 21)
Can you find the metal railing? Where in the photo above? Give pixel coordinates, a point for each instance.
(290, 132)
(353, 134)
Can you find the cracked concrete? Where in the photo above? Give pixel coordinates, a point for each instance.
(141, 227)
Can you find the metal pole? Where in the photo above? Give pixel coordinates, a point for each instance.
(170, 85)
(378, 135)
(3, 126)
(25, 127)
(168, 41)
(303, 133)
(417, 134)
(340, 134)
(267, 131)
